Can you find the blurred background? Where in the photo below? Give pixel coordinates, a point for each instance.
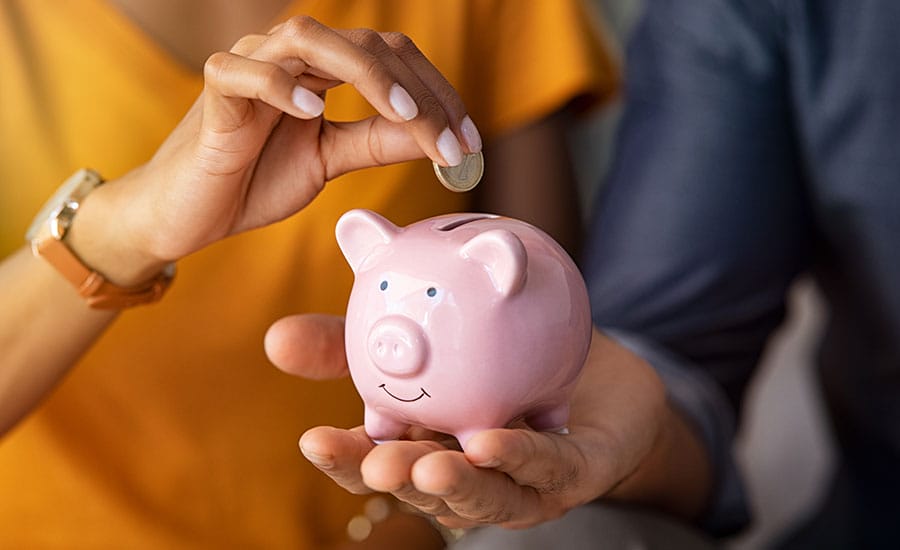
(784, 448)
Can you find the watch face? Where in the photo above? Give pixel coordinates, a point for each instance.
(75, 188)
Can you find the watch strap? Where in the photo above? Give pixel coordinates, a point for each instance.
(92, 286)
(47, 235)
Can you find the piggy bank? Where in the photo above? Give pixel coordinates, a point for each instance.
(461, 323)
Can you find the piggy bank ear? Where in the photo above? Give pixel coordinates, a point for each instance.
(359, 232)
(503, 256)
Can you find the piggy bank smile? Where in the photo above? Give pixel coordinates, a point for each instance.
(420, 396)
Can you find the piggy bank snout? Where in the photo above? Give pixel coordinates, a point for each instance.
(397, 346)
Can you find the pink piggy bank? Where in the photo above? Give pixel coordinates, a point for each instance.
(461, 323)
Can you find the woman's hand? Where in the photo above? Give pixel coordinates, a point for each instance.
(254, 148)
(624, 442)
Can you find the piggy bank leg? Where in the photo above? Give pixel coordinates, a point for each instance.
(381, 428)
(550, 420)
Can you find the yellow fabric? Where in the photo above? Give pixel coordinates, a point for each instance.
(175, 431)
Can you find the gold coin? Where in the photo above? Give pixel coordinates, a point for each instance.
(464, 176)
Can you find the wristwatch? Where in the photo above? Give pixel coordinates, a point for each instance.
(47, 237)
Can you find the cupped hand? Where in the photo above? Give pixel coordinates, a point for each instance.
(255, 148)
(514, 477)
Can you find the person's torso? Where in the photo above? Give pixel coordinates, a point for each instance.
(174, 430)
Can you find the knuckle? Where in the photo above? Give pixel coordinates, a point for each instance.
(371, 68)
(299, 26)
(424, 503)
(495, 516)
(245, 44)
(370, 64)
(449, 101)
(429, 106)
(400, 43)
(432, 508)
(367, 39)
(349, 480)
(216, 65)
(485, 509)
(559, 483)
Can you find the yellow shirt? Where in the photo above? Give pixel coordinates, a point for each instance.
(174, 431)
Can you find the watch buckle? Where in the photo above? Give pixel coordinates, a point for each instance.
(61, 219)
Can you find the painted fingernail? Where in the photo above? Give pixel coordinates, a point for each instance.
(403, 103)
(449, 148)
(470, 134)
(308, 102)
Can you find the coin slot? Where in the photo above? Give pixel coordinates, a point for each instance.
(453, 224)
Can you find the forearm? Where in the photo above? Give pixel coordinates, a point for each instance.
(45, 326)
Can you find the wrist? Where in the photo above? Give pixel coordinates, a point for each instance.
(50, 232)
(675, 475)
(105, 237)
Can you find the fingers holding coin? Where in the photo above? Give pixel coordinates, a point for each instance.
(292, 66)
(424, 97)
(389, 71)
(436, 109)
(458, 173)
(438, 89)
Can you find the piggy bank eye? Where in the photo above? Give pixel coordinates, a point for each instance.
(431, 291)
(383, 285)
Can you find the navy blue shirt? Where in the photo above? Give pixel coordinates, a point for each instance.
(761, 141)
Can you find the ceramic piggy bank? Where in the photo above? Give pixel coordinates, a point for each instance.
(461, 323)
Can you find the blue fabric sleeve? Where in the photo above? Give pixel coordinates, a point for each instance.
(702, 224)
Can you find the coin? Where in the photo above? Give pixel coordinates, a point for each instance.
(464, 176)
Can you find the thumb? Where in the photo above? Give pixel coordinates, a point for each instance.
(551, 463)
(310, 345)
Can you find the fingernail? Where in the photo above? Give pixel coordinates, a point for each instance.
(308, 102)
(470, 134)
(403, 103)
(449, 148)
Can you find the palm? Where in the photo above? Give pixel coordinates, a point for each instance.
(515, 477)
(256, 167)
(287, 172)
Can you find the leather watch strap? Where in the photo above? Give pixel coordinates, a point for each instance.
(47, 236)
(92, 286)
